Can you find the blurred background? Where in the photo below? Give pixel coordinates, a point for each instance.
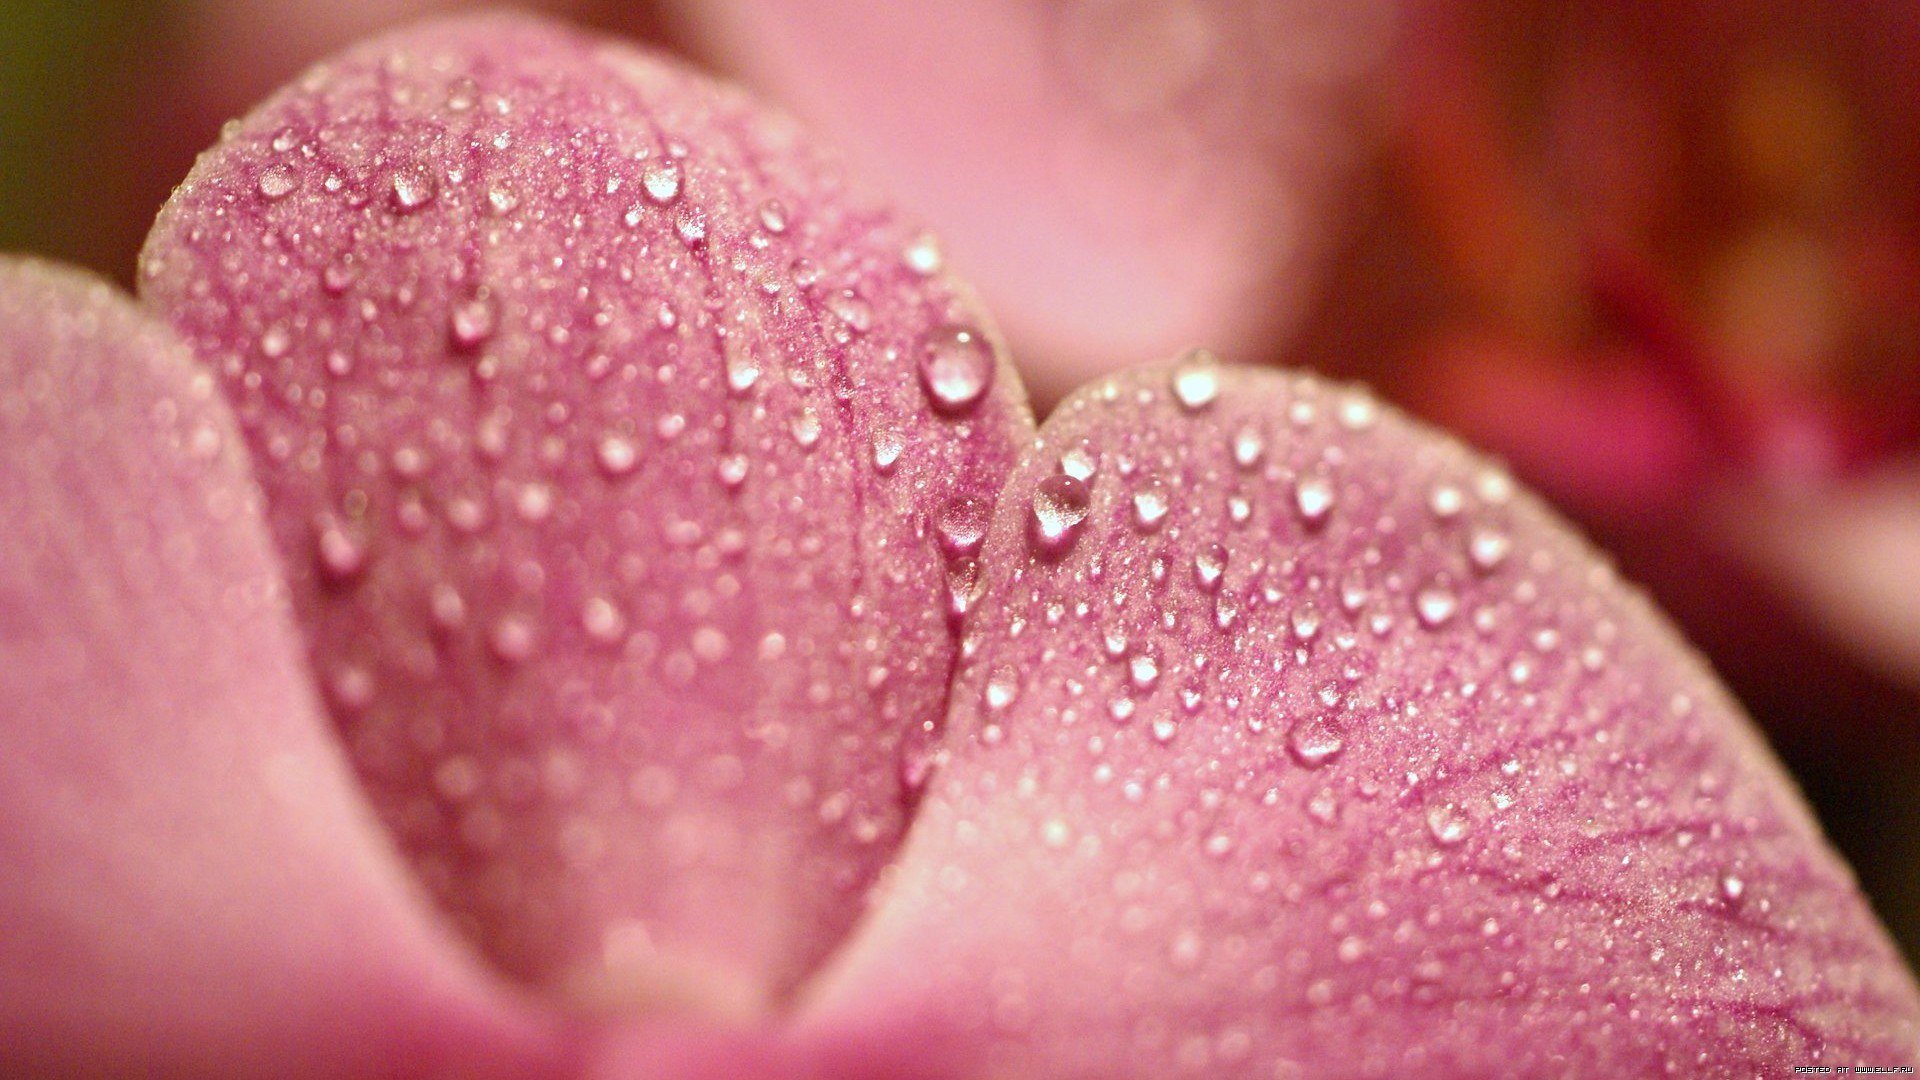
(1663, 258)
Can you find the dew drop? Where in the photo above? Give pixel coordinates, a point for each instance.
(618, 455)
(923, 256)
(1150, 504)
(277, 182)
(1487, 548)
(1164, 731)
(1196, 378)
(1209, 565)
(1732, 887)
(472, 323)
(1248, 445)
(1060, 504)
(773, 216)
(1446, 825)
(662, 182)
(512, 639)
(1435, 605)
(806, 428)
(1314, 742)
(956, 367)
(963, 525)
(1446, 502)
(1313, 497)
(413, 188)
(602, 620)
(1144, 671)
(887, 447)
(1002, 687)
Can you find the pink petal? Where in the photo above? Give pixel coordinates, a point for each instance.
(1848, 553)
(1121, 178)
(1356, 762)
(612, 440)
(193, 886)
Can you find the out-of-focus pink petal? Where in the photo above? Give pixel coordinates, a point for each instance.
(1121, 178)
(618, 449)
(193, 885)
(1850, 554)
(1292, 741)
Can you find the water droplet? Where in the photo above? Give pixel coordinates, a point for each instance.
(732, 469)
(887, 447)
(963, 524)
(662, 182)
(602, 620)
(1446, 825)
(956, 367)
(1001, 689)
(512, 639)
(472, 323)
(1144, 670)
(1164, 731)
(691, 224)
(618, 455)
(1060, 504)
(1487, 548)
(1248, 445)
(413, 188)
(1435, 604)
(277, 182)
(923, 256)
(342, 556)
(1078, 463)
(1313, 496)
(1209, 565)
(1306, 621)
(773, 216)
(1446, 501)
(806, 428)
(1314, 742)
(1150, 503)
(1196, 378)
(1732, 888)
(1358, 411)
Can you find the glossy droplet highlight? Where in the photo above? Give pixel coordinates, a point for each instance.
(1060, 504)
(1196, 379)
(956, 367)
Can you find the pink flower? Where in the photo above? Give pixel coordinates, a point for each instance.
(552, 579)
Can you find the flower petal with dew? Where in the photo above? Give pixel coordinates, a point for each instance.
(621, 459)
(1302, 744)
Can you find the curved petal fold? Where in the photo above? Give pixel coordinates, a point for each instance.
(193, 885)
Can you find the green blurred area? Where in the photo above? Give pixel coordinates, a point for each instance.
(69, 80)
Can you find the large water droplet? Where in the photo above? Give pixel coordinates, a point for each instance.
(956, 367)
(1196, 379)
(413, 188)
(963, 524)
(1209, 564)
(277, 182)
(1060, 504)
(1313, 742)
(662, 182)
(1446, 825)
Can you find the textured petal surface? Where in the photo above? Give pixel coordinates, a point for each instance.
(618, 451)
(1122, 177)
(193, 885)
(1292, 741)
